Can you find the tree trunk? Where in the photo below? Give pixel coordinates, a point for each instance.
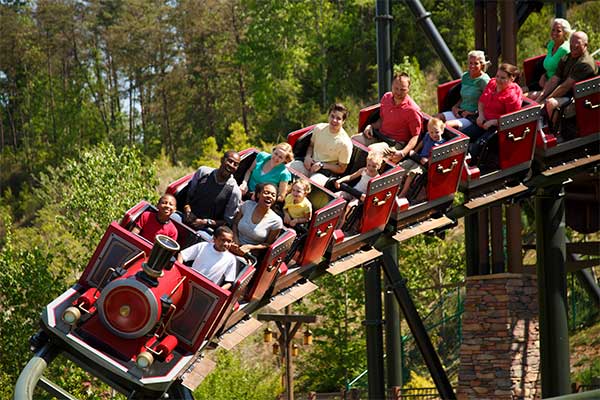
(240, 73)
(51, 90)
(140, 86)
(131, 135)
(167, 128)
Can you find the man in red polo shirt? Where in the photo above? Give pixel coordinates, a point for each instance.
(399, 119)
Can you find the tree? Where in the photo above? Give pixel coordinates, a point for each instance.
(338, 353)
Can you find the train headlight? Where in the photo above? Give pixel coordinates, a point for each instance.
(144, 360)
(71, 315)
(128, 308)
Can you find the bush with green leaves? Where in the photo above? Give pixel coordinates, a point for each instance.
(97, 188)
(237, 377)
(418, 86)
(26, 286)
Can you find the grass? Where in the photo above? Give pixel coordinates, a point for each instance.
(585, 354)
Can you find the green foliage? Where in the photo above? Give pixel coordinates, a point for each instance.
(97, 188)
(38, 262)
(237, 377)
(537, 31)
(589, 375)
(209, 153)
(26, 286)
(428, 261)
(454, 21)
(77, 382)
(338, 353)
(582, 308)
(417, 381)
(274, 54)
(237, 139)
(410, 66)
(585, 18)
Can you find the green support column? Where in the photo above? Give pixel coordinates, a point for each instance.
(552, 291)
(374, 329)
(393, 336)
(415, 323)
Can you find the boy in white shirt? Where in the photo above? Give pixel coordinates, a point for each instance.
(213, 260)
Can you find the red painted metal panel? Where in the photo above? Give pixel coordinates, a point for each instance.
(379, 200)
(179, 184)
(269, 266)
(445, 166)
(133, 213)
(529, 68)
(238, 289)
(587, 106)
(442, 92)
(200, 309)
(294, 136)
(320, 231)
(364, 115)
(516, 136)
(115, 238)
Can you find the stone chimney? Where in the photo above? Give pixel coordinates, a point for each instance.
(500, 351)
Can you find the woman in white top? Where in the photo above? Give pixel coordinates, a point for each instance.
(256, 225)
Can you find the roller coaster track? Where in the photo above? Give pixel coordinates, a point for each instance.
(377, 252)
(390, 237)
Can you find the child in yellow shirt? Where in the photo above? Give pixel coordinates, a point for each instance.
(297, 209)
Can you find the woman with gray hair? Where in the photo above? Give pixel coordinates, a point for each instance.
(464, 112)
(558, 47)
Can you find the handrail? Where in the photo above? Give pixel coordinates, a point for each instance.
(31, 374)
(592, 394)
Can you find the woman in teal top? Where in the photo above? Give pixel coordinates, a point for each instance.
(558, 47)
(473, 82)
(269, 168)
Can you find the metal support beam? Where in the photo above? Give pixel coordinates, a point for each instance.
(442, 383)
(491, 35)
(508, 31)
(513, 238)
(479, 17)
(552, 291)
(383, 20)
(497, 239)
(484, 243)
(472, 243)
(440, 47)
(560, 10)
(393, 334)
(374, 328)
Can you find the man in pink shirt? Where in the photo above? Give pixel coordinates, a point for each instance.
(399, 119)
